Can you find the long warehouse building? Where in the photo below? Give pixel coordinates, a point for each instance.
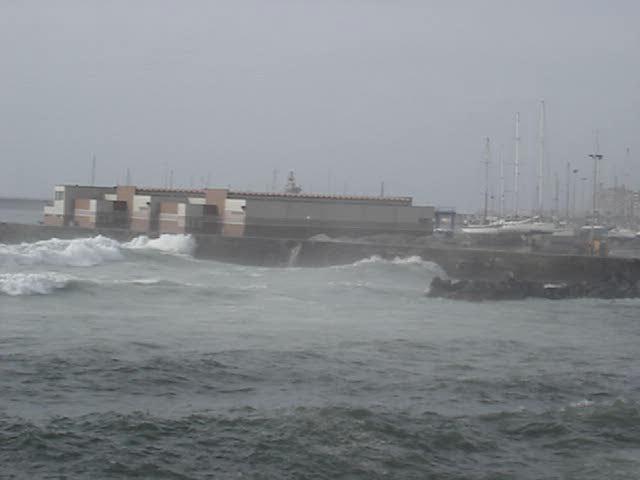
(228, 212)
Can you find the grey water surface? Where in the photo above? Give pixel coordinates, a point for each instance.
(138, 361)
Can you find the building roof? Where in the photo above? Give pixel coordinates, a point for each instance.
(320, 196)
(403, 200)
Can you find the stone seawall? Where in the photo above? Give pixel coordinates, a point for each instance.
(457, 262)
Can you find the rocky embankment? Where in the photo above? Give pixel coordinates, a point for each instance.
(514, 289)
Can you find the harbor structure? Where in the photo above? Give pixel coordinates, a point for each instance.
(235, 213)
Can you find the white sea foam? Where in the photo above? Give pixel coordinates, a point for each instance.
(178, 244)
(79, 252)
(16, 284)
(412, 260)
(87, 252)
(582, 404)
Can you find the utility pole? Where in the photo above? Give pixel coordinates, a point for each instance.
(487, 156)
(516, 167)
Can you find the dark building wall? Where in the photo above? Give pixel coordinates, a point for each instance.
(303, 217)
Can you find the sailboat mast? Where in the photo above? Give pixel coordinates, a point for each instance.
(502, 187)
(568, 191)
(556, 198)
(487, 152)
(516, 169)
(628, 174)
(539, 183)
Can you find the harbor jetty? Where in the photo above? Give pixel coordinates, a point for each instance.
(483, 264)
(617, 286)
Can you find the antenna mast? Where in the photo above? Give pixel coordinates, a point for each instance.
(93, 169)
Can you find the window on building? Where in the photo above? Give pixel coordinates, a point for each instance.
(210, 210)
(59, 195)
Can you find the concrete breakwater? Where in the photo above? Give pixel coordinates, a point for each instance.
(462, 263)
(456, 262)
(514, 289)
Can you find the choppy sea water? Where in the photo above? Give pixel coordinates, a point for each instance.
(136, 360)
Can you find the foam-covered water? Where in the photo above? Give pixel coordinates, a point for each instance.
(88, 252)
(183, 244)
(136, 360)
(32, 283)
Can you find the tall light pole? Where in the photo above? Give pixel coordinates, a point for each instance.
(595, 157)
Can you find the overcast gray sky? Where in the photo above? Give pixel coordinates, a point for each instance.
(344, 92)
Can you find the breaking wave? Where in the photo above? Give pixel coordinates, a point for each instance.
(88, 252)
(17, 284)
(413, 260)
(79, 252)
(178, 244)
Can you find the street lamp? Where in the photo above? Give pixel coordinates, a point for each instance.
(596, 157)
